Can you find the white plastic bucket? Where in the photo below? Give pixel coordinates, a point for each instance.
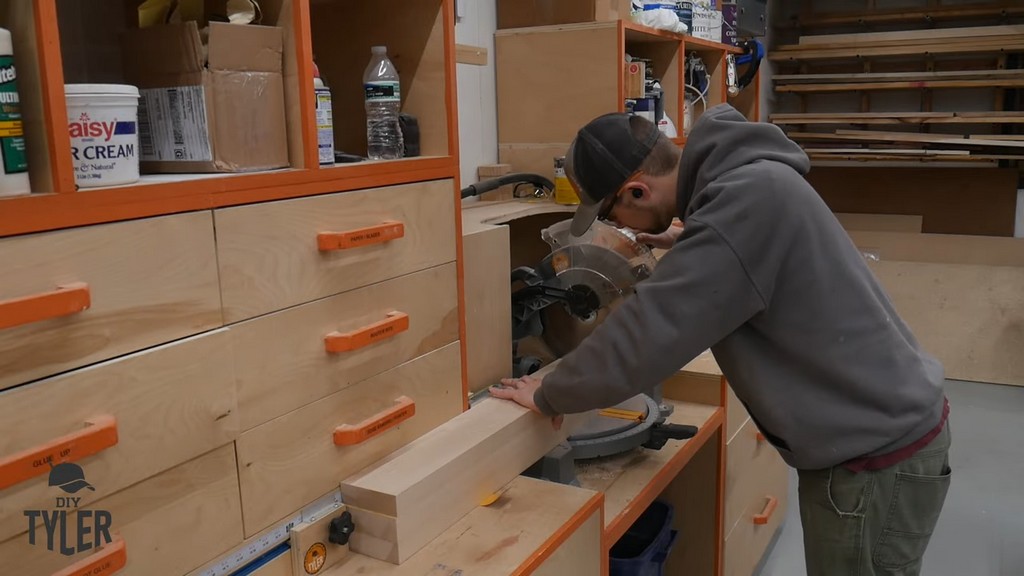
(103, 123)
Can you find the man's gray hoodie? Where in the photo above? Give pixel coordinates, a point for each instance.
(766, 277)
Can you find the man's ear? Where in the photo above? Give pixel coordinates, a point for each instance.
(637, 190)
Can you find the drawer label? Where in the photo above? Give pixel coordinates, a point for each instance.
(66, 528)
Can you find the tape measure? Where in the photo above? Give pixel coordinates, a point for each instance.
(271, 539)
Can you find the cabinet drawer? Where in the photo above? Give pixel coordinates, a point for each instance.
(145, 282)
(753, 469)
(745, 546)
(170, 524)
(270, 256)
(279, 374)
(167, 405)
(290, 461)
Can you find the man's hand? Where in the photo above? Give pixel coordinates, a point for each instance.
(520, 391)
(665, 240)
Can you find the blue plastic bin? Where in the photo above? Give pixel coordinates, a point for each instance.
(643, 549)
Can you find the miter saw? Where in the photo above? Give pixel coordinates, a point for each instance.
(560, 302)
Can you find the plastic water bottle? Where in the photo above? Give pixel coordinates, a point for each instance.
(383, 104)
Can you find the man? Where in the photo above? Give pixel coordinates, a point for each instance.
(763, 274)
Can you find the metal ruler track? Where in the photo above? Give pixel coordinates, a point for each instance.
(271, 538)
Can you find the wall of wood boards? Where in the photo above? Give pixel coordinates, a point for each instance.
(976, 201)
(960, 295)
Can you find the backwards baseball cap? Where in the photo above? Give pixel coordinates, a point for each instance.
(600, 161)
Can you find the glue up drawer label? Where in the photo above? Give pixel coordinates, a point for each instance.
(173, 125)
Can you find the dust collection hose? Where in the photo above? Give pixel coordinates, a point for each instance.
(517, 178)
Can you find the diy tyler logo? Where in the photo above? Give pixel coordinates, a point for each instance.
(68, 529)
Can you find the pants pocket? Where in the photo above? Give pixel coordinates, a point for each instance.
(913, 513)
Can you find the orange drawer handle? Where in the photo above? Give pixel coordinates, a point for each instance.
(395, 324)
(350, 435)
(766, 514)
(111, 558)
(383, 232)
(64, 301)
(98, 435)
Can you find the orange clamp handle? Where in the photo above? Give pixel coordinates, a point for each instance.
(64, 301)
(350, 435)
(383, 232)
(110, 559)
(766, 514)
(98, 435)
(395, 324)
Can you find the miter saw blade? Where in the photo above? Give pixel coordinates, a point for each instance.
(606, 261)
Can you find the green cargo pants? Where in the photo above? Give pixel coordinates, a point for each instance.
(874, 523)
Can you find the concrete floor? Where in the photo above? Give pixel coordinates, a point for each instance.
(981, 530)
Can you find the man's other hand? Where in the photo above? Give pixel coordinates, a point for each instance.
(665, 240)
(521, 391)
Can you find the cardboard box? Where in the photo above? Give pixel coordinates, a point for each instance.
(707, 24)
(636, 74)
(529, 13)
(221, 113)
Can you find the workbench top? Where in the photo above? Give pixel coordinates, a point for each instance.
(514, 535)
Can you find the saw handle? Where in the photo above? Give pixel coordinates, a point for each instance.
(662, 433)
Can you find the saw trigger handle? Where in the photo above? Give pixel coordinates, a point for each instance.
(662, 433)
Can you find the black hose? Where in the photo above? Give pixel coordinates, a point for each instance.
(517, 178)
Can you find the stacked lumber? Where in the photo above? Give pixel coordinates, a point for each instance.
(953, 41)
(930, 14)
(882, 145)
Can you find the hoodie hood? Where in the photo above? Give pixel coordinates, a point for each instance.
(722, 140)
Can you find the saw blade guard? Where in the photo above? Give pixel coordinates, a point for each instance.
(605, 262)
(608, 251)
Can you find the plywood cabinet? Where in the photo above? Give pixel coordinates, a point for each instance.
(552, 80)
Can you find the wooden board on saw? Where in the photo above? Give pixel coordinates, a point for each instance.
(410, 497)
(523, 532)
(967, 200)
(993, 45)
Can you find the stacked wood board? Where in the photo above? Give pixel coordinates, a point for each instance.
(920, 61)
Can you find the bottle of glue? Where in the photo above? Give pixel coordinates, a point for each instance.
(13, 161)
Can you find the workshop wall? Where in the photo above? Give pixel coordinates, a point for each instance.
(478, 108)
